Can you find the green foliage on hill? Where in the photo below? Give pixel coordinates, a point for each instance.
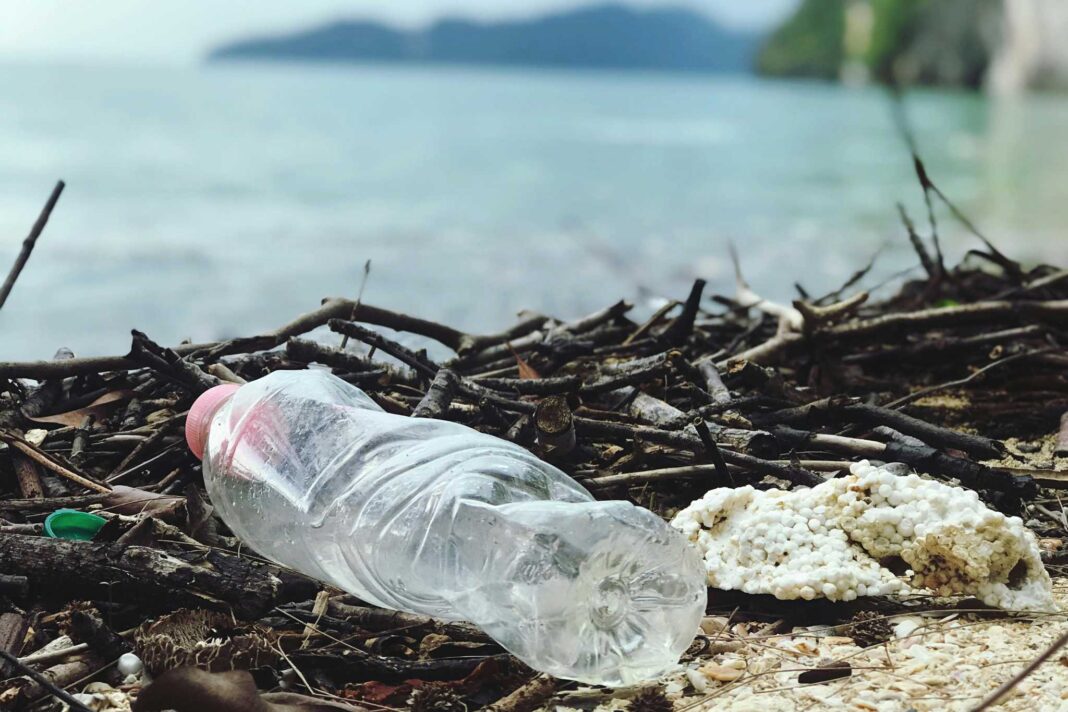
(924, 41)
(896, 24)
(809, 43)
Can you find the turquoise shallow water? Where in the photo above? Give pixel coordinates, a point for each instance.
(209, 201)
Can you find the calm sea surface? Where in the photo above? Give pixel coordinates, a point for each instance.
(211, 201)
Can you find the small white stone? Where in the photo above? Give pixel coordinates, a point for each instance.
(907, 627)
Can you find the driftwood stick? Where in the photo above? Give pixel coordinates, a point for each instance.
(652, 321)
(922, 458)
(13, 627)
(547, 332)
(551, 386)
(438, 397)
(664, 415)
(712, 449)
(1053, 312)
(305, 351)
(169, 363)
(29, 478)
(974, 445)
(620, 379)
(713, 381)
(403, 354)
(527, 698)
(667, 474)
(690, 441)
(30, 241)
(943, 345)
(767, 352)
(382, 619)
(80, 442)
(707, 411)
(681, 326)
(50, 503)
(456, 340)
(40, 370)
(842, 407)
(114, 572)
(816, 315)
(46, 684)
(554, 425)
(41, 459)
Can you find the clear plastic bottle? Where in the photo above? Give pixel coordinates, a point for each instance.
(433, 517)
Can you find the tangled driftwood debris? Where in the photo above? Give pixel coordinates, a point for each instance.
(960, 375)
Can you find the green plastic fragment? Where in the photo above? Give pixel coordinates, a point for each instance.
(73, 524)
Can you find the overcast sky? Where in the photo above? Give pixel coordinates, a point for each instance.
(181, 30)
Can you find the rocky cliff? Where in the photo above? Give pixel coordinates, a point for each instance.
(1001, 45)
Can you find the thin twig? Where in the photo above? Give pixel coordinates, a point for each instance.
(29, 242)
(41, 459)
(57, 692)
(905, 400)
(995, 696)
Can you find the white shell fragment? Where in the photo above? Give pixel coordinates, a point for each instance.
(828, 541)
(130, 664)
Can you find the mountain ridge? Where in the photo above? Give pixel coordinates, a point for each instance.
(607, 36)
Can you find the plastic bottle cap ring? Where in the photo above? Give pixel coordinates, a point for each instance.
(73, 524)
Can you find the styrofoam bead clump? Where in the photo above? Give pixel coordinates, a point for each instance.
(832, 540)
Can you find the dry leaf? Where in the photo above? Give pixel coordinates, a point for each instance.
(98, 408)
(133, 501)
(199, 523)
(525, 369)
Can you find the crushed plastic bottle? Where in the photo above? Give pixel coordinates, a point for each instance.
(432, 517)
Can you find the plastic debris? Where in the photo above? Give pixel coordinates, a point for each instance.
(73, 524)
(837, 539)
(435, 518)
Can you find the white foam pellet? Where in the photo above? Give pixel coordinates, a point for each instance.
(130, 664)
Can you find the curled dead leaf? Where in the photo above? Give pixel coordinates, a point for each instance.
(98, 409)
(134, 502)
(526, 371)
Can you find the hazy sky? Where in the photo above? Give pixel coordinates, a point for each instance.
(181, 30)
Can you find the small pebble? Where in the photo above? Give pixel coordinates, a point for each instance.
(722, 673)
(906, 627)
(713, 625)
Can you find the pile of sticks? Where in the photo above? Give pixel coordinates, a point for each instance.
(960, 375)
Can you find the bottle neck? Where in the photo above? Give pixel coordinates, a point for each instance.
(198, 421)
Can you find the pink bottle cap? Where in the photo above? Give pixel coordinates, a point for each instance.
(198, 421)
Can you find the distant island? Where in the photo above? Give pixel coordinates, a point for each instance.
(605, 36)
